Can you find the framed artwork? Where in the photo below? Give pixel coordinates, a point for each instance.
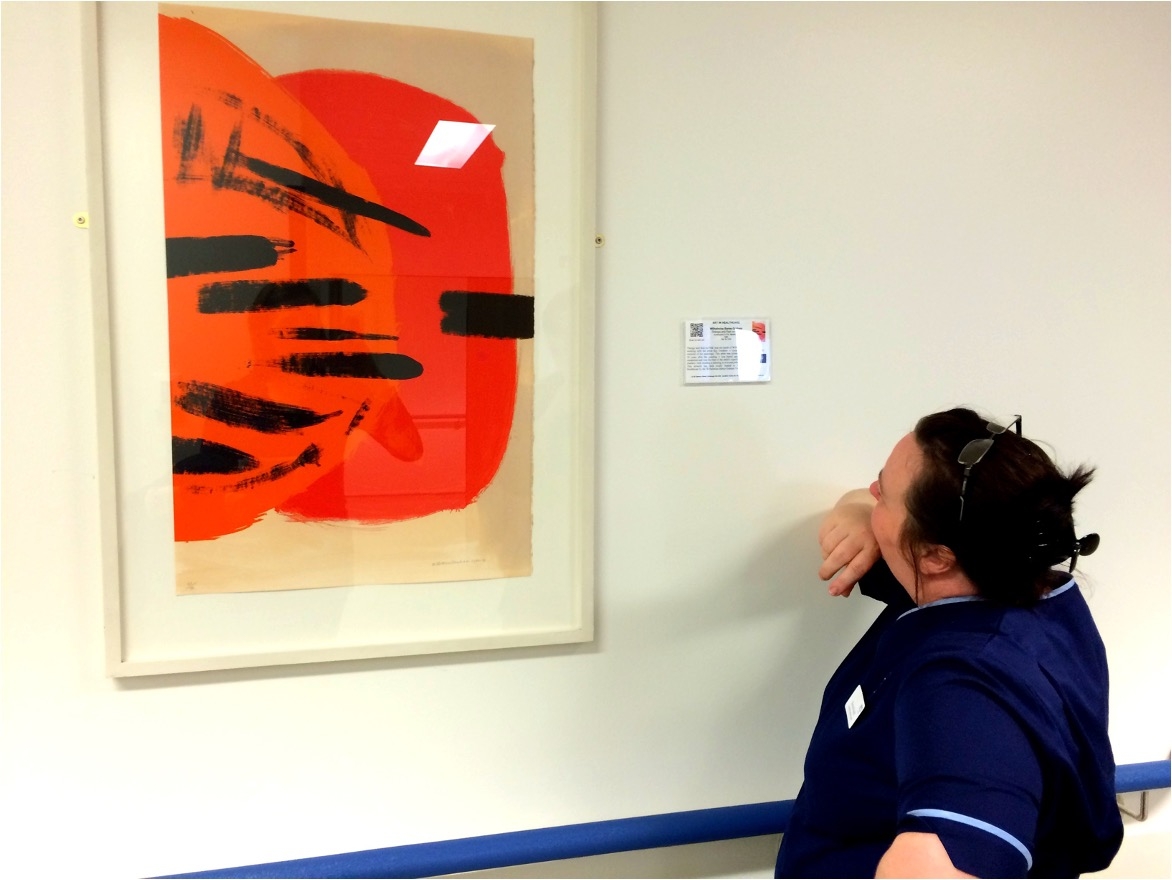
(347, 270)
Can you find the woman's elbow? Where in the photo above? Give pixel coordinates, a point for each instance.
(916, 854)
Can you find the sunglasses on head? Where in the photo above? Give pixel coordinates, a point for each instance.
(975, 450)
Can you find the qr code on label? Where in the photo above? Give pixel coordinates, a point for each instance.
(696, 330)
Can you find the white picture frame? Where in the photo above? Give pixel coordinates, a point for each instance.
(151, 630)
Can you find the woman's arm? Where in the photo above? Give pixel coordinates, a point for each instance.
(916, 854)
(849, 548)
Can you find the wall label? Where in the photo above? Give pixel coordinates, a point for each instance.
(726, 350)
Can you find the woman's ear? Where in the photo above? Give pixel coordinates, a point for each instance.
(937, 560)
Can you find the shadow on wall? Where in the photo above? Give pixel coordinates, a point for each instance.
(813, 632)
(779, 584)
(777, 581)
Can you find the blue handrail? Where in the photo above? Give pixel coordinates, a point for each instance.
(586, 839)
(1147, 776)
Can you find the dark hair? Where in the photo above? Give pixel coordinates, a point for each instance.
(1018, 510)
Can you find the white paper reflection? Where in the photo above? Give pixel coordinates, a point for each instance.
(749, 348)
(452, 143)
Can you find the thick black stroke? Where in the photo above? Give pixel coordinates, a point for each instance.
(352, 365)
(223, 253)
(192, 456)
(282, 198)
(495, 315)
(189, 139)
(231, 407)
(236, 297)
(334, 196)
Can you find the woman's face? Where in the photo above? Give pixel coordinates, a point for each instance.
(889, 491)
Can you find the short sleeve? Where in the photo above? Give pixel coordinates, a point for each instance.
(966, 770)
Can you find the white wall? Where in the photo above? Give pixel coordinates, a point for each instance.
(935, 204)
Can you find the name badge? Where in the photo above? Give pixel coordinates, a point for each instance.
(855, 706)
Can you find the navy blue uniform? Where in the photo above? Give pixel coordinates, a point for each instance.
(983, 724)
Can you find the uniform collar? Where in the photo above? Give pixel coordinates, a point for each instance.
(953, 600)
(950, 600)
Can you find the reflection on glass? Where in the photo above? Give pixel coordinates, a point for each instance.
(749, 348)
(452, 144)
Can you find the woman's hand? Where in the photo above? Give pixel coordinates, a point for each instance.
(849, 548)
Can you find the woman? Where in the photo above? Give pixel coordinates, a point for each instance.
(966, 733)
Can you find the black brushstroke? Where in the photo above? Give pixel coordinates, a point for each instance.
(359, 415)
(281, 198)
(272, 124)
(294, 190)
(190, 456)
(245, 411)
(327, 334)
(223, 253)
(189, 139)
(495, 315)
(235, 297)
(334, 196)
(310, 455)
(352, 365)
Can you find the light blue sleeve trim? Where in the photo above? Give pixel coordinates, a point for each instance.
(983, 826)
(1060, 590)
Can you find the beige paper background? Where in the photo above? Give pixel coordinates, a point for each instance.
(491, 77)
